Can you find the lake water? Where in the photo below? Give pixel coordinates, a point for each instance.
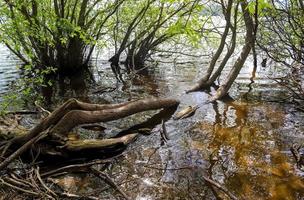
(8, 68)
(243, 144)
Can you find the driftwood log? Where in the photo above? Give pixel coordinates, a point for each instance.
(53, 130)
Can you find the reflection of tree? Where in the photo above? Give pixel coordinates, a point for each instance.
(253, 75)
(153, 121)
(237, 155)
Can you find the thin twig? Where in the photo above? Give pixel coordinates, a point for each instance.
(43, 184)
(42, 109)
(21, 180)
(75, 166)
(16, 182)
(6, 148)
(106, 178)
(70, 195)
(18, 188)
(217, 185)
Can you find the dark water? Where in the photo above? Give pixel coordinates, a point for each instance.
(243, 144)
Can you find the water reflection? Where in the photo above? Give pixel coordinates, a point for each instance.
(248, 160)
(8, 69)
(239, 144)
(243, 145)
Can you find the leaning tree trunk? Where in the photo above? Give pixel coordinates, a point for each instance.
(230, 51)
(202, 82)
(54, 128)
(224, 88)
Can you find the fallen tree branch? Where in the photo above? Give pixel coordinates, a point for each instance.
(76, 167)
(18, 188)
(73, 113)
(79, 145)
(90, 115)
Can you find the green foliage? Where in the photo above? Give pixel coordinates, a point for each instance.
(53, 38)
(262, 5)
(63, 34)
(281, 31)
(154, 23)
(26, 90)
(19, 96)
(53, 33)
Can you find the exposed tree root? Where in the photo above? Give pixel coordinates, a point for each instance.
(55, 127)
(49, 137)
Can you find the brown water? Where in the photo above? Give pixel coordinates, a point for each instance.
(243, 144)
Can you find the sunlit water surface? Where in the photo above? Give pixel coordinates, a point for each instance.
(8, 68)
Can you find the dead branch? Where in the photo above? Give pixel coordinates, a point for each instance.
(43, 184)
(50, 138)
(75, 196)
(217, 185)
(76, 167)
(2, 182)
(43, 110)
(73, 113)
(107, 179)
(79, 145)
(91, 113)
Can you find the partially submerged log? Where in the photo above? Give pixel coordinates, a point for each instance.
(79, 145)
(56, 126)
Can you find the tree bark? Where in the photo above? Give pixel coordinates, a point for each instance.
(249, 39)
(202, 83)
(80, 145)
(71, 114)
(219, 70)
(88, 115)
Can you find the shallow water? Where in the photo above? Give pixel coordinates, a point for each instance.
(8, 68)
(242, 142)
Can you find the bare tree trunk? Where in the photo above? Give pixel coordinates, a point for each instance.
(224, 88)
(219, 70)
(202, 82)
